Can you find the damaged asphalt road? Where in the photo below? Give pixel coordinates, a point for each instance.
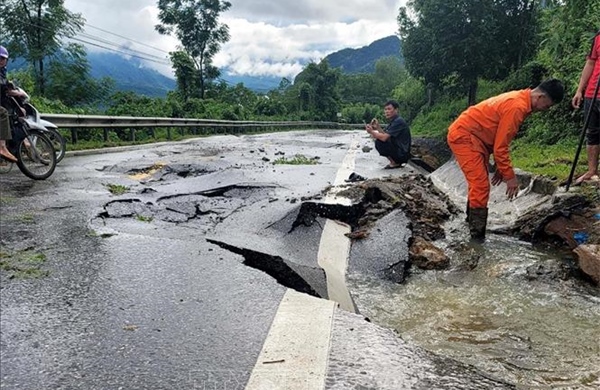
(164, 267)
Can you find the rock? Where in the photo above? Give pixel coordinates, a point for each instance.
(425, 255)
(366, 149)
(466, 257)
(397, 272)
(547, 271)
(565, 227)
(358, 234)
(430, 153)
(589, 260)
(354, 177)
(531, 225)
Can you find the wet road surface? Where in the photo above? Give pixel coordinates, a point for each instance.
(179, 281)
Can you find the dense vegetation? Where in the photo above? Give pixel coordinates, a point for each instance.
(454, 54)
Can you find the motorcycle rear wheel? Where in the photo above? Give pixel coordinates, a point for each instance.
(38, 159)
(58, 142)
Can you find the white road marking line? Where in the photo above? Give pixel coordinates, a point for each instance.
(296, 350)
(343, 173)
(295, 353)
(334, 248)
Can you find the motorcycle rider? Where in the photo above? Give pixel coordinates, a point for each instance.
(6, 91)
(5, 133)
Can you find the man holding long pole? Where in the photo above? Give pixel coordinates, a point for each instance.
(590, 77)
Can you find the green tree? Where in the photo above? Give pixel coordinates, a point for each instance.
(466, 39)
(196, 24)
(188, 82)
(359, 88)
(317, 89)
(389, 71)
(269, 107)
(361, 112)
(35, 30)
(373, 88)
(70, 81)
(410, 94)
(568, 29)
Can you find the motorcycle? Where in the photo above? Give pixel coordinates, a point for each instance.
(36, 156)
(33, 119)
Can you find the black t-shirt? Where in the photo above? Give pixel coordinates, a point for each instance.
(400, 134)
(3, 87)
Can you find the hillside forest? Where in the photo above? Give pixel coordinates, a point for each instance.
(454, 53)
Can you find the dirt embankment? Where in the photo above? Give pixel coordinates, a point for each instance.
(426, 207)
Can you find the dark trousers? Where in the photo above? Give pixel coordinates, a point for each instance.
(387, 149)
(593, 130)
(4, 124)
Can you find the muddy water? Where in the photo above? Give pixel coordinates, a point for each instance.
(536, 334)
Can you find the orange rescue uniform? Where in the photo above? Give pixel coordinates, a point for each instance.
(483, 129)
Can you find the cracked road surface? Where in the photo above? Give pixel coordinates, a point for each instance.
(200, 270)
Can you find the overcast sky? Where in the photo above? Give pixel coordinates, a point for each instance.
(268, 37)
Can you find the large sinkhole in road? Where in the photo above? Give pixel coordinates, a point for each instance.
(301, 231)
(507, 308)
(204, 210)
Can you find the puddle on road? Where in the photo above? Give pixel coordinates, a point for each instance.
(161, 171)
(531, 333)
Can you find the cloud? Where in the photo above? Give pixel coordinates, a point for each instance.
(291, 46)
(268, 37)
(313, 11)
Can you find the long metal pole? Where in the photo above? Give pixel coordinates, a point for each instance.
(583, 131)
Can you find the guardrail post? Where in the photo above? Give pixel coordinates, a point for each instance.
(74, 135)
(105, 135)
(152, 133)
(132, 134)
(169, 133)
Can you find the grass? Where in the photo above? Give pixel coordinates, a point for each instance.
(144, 218)
(25, 264)
(548, 160)
(23, 218)
(298, 159)
(117, 189)
(6, 200)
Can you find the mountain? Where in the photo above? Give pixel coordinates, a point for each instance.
(130, 74)
(363, 60)
(260, 84)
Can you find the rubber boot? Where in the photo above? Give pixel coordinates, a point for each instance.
(467, 211)
(478, 222)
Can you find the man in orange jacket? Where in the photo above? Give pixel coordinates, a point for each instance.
(488, 128)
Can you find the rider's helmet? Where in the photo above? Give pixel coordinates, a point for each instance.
(3, 52)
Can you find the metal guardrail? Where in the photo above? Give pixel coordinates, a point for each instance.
(77, 123)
